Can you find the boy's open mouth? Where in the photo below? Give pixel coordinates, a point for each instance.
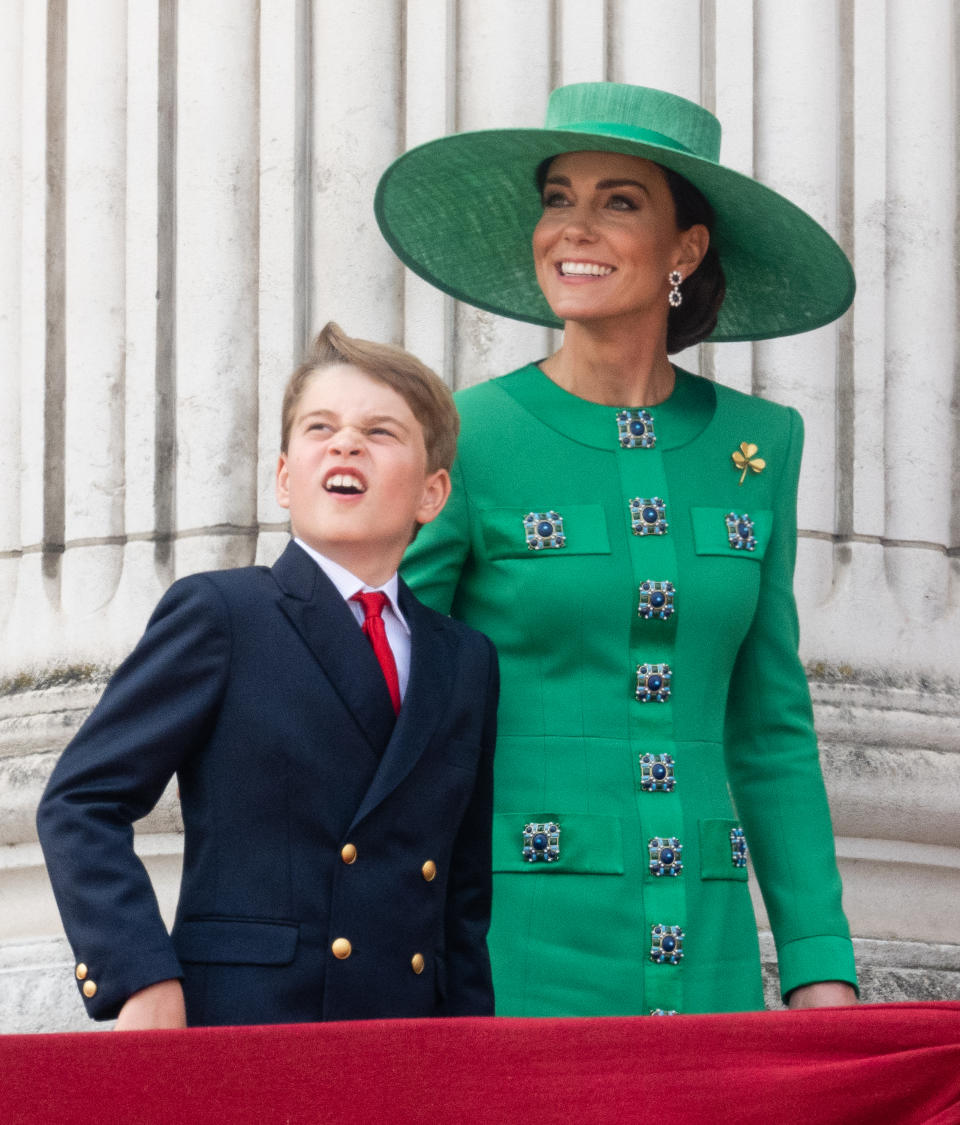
(344, 484)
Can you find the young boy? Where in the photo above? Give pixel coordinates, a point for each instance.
(334, 770)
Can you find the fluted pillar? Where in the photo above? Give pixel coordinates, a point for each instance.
(93, 456)
(430, 54)
(355, 92)
(216, 303)
(283, 294)
(503, 79)
(796, 154)
(11, 201)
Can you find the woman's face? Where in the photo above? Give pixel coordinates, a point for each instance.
(608, 238)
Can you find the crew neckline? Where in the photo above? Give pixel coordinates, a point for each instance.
(680, 418)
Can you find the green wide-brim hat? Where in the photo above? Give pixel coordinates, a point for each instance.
(460, 212)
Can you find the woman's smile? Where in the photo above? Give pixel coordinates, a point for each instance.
(568, 268)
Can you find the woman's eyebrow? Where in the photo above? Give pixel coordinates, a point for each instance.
(602, 185)
(606, 184)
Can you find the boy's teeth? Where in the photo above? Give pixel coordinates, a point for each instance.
(586, 268)
(344, 480)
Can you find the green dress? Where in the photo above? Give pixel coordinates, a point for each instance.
(654, 714)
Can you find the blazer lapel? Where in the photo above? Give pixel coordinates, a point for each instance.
(324, 620)
(432, 668)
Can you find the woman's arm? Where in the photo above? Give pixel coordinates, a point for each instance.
(775, 774)
(433, 562)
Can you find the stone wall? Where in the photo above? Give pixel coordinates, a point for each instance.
(188, 190)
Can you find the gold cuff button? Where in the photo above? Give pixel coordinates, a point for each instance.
(417, 963)
(348, 853)
(89, 989)
(81, 971)
(341, 948)
(429, 871)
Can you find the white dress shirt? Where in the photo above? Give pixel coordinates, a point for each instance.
(394, 623)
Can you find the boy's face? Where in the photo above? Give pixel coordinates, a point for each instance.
(354, 476)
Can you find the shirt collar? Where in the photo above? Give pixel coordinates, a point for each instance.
(348, 584)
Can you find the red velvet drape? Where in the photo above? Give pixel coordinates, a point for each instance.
(892, 1064)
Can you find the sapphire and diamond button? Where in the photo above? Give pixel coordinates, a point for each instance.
(541, 842)
(544, 531)
(664, 1012)
(656, 773)
(740, 532)
(666, 944)
(656, 600)
(635, 429)
(653, 683)
(738, 848)
(648, 516)
(665, 855)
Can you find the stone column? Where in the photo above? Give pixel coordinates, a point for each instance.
(796, 155)
(428, 111)
(11, 205)
(355, 94)
(217, 247)
(504, 79)
(283, 291)
(93, 455)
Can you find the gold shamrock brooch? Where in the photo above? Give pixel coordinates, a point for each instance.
(745, 458)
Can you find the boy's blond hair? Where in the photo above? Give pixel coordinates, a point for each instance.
(426, 394)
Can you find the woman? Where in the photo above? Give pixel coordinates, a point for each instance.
(625, 532)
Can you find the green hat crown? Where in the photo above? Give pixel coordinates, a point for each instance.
(635, 113)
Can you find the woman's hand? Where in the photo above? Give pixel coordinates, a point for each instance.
(823, 994)
(159, 1005)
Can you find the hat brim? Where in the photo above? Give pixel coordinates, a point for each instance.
(460, 212)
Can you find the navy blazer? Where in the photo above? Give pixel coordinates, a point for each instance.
(310, 813)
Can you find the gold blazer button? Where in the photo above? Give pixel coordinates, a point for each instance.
(429, 871)
(81, 971)
(417, 963)
(341, 948)
(89, 989)
(348, 853)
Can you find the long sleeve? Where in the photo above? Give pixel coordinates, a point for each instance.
(436, 558)
(774, 767)
(154, 713)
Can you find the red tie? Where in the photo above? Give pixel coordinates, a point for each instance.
(376, 634)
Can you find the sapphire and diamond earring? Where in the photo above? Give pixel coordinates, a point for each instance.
(675, 297)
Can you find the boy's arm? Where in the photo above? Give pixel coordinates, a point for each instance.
(157, 710)
(469, 889)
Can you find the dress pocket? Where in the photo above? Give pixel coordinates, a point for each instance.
(736, 533)
(236, 941)
(575, 529)
(586, 844)
(723, 851)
